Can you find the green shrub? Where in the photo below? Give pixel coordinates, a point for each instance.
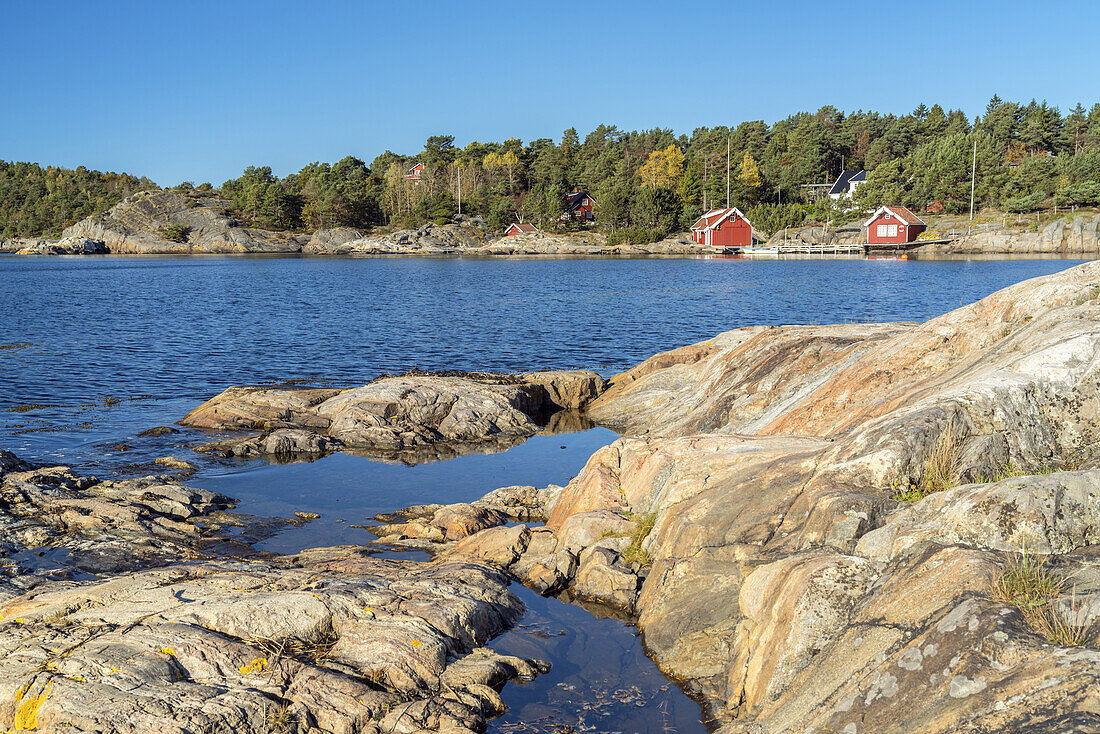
(1028, 203)
(175, 232)
(635, 236)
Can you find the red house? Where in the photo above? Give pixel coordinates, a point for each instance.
(414, 173)
(578, 205)
(893, 225)
(723, 228)
(520, 228)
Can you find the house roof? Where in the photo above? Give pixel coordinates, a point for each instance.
(846, 179)
(573, 200)
(523, 227)
(900, 212)
(714, 217)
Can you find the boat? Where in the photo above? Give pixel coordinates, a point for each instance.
(760, 251)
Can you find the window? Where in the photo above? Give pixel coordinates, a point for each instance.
(882, 230)
(893, 231)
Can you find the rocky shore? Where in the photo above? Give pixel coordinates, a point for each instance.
(174, 222)
(851, 528)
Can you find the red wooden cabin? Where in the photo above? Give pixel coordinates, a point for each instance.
(578, 205)
(414, 173)
(519, 228)
(893, 225)
(723, 228)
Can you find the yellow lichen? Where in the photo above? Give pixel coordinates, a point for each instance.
(416, 643)
(256, 666)
(26, 714)
(167, 651)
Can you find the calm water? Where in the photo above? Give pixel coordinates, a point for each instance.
(98, 350)
(163, 334)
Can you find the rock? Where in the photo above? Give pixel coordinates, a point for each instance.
(159, 431)
(414, 417)
(544, 566)
(57, 525)
(460, 520)
(1053, 513)
(139, 225)
(399, 413)
(584, 529)
(448, 523)
(328, 636)
(523, 503)
(280, 443)
(431, 239)
(324, 240)
(603, 578)
(72, 245)
(261, 408)
(568, 389)
(173, 463)
(501, 545)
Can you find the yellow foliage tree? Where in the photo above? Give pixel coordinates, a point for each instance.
(663, 168)
(750, 173)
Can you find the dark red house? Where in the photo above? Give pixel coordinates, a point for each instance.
(578, 205)
(414, 173)
(519, 228)
(893, 225)
(723, 228)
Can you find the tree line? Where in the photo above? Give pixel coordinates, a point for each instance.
(37, 201)
(653, 182)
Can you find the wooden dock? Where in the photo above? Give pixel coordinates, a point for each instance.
(901, 247)
(798, 247)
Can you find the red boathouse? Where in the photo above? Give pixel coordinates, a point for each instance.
(893, 225)
(519, 228)
(723, 228)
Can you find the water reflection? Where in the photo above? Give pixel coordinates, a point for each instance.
(601, 680)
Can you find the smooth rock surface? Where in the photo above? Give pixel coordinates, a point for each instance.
(788, 586)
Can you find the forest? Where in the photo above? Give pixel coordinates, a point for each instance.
(647, 183)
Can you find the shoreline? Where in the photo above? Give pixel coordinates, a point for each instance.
(772, 515)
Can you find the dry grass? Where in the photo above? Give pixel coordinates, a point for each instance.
(939, 467)
(1029, 584)
(634, 553)
(312, 649)
(278, 719)
(941, 461)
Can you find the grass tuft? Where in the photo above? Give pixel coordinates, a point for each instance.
(941, 461)
(634, 553)
(278, 719)
(1029, 584)
(312, 649)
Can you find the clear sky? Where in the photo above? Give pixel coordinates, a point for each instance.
(197, 90)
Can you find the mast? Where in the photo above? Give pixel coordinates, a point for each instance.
(727, 171)
(973, 169)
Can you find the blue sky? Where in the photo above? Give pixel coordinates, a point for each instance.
(198, 90)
